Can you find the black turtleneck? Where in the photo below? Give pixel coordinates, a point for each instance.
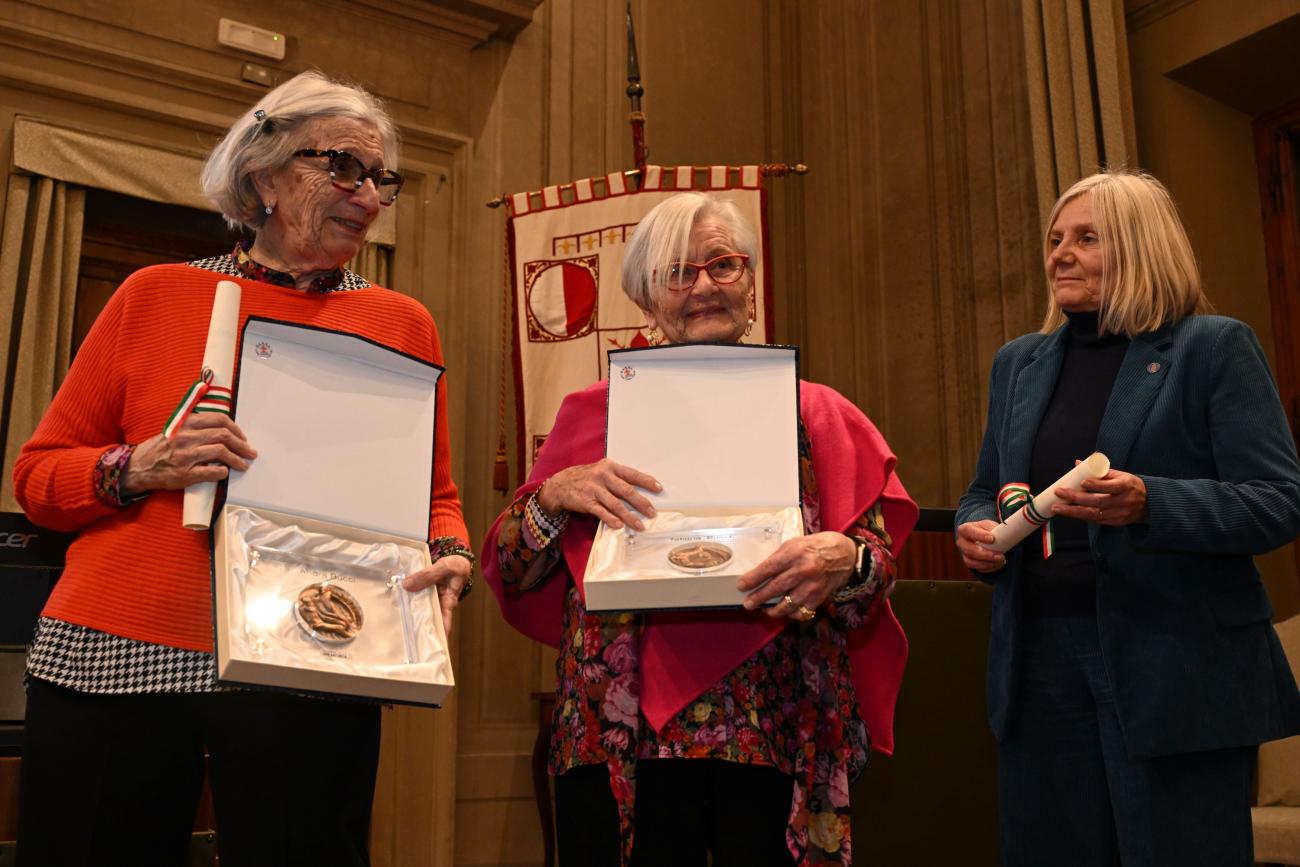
(1067, 581)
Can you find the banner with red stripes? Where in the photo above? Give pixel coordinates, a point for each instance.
(565, 247)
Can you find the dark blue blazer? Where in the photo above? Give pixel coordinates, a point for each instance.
(1183, 617)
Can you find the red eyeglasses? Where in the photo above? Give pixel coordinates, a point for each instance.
(722, 270)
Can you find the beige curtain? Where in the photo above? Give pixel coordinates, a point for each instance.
(1080, 99)
(106, 161)
(374, 262)
(39, 251)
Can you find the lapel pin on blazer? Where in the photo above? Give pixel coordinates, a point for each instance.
(1153, 367)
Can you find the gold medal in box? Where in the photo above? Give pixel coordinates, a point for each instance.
(328, 614)
(700, 557)
(728, 459)
(312, 598)
(690, 549)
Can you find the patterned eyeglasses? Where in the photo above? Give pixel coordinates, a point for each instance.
(348, 173)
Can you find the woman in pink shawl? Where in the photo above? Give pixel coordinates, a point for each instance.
(734, 734)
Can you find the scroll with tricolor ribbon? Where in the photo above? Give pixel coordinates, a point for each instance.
(210, 393)
(1022, 515)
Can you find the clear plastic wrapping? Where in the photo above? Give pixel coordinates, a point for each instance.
(314, 600)
(676, 545)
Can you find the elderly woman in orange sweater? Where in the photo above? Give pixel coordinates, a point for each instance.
(122, 701)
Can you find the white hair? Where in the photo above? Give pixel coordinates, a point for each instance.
(265, 137)
(664, 235)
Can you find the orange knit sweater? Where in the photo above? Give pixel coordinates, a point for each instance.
(135, 571)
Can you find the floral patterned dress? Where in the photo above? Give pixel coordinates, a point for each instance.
(790, 706)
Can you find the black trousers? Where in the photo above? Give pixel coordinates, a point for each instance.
(115, 779)
(686, 809)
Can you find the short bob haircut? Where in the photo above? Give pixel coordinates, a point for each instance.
(664, 235)
(256, 144)
(1149, 275)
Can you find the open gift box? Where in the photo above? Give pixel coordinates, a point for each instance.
(718, 426)
(312, 542)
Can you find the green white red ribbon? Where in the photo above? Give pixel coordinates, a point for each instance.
(202, 396)
(1015, 496)
(1012, 496)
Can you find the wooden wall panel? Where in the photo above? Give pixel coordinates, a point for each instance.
(1203, 150)
(497, 668)
(919, 221)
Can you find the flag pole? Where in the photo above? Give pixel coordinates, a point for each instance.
(640, 152)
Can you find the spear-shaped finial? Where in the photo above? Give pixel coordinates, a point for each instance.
(640, 152)
(634, 89)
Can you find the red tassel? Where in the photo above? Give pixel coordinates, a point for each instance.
(501, 471)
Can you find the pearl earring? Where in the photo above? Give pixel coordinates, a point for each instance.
(269, 209)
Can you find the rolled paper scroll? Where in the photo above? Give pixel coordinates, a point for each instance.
(219, 361)
(1036, 512)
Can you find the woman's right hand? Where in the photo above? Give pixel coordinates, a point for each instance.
(972, 537)
(604, 489)
(205, 449)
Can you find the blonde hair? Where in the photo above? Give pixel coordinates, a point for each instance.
(1149, 274)
(664, 235)
(265, 136)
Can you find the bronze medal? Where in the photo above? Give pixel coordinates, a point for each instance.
(700, 556)
(328, 613)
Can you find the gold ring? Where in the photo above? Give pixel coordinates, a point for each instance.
(787, 600)
(806, 613)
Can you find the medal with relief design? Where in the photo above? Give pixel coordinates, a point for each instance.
(328, 613)
(700, 556)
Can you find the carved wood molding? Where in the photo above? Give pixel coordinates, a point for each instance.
(15, 36)
(1140, 13)
(95, 56)
(479, 20)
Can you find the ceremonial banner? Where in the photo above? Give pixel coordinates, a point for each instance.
(565, 248)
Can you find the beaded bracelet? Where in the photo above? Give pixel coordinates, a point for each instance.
(445, 546)
(545, 528)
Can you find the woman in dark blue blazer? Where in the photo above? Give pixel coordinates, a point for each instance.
(1133, 670)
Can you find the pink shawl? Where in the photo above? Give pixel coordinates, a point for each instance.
(684, 653)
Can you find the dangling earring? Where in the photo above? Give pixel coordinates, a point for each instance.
(652, 337)
(749, 327)
(269, 209)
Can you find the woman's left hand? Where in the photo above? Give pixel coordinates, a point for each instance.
(450, 574)
(802, 574)
(1116, 499)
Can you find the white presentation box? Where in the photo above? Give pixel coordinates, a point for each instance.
(718, 426)
(313, 541)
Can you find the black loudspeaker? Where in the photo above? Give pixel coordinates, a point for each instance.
(31, 560)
